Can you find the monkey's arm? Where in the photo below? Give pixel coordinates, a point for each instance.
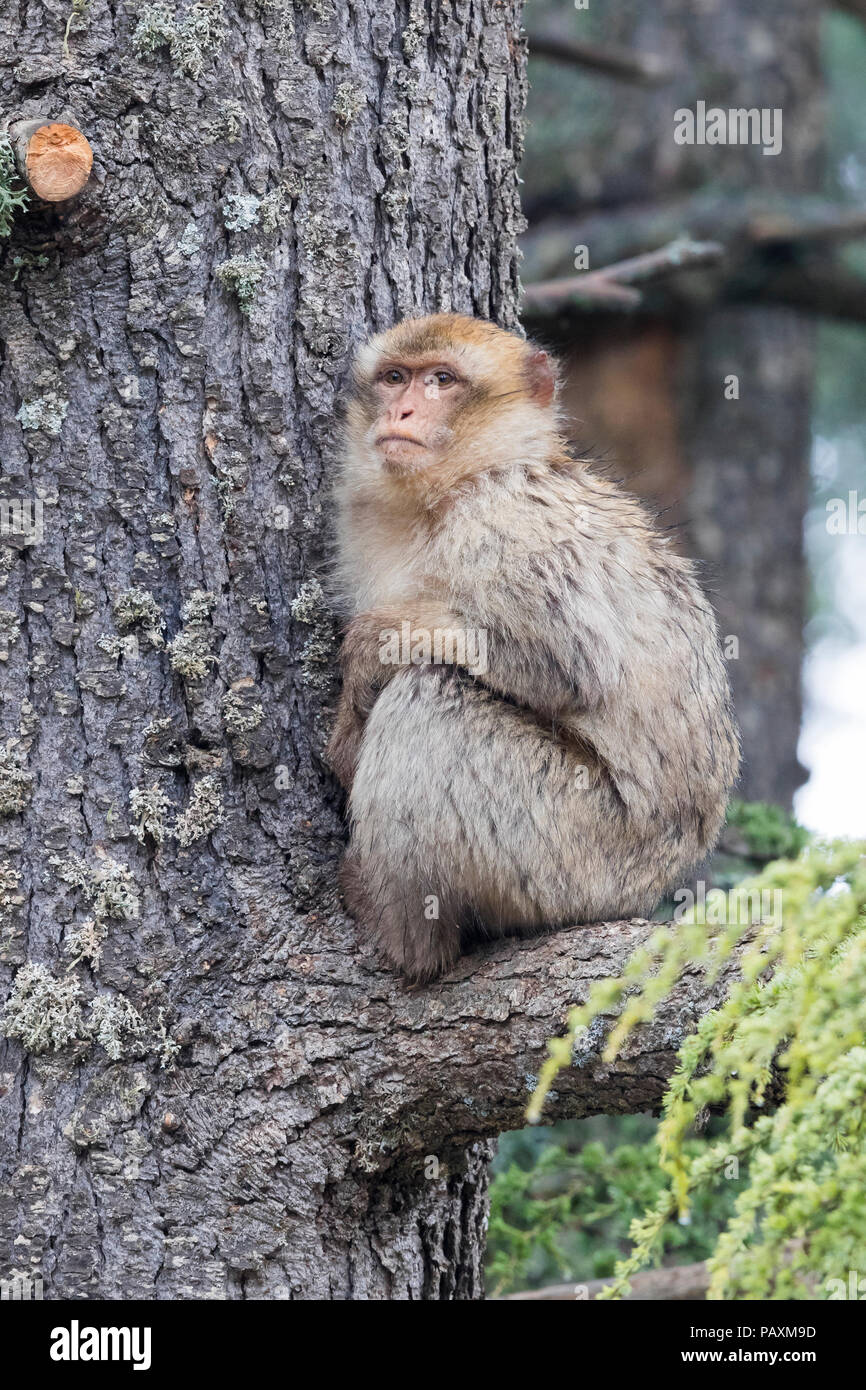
(551, 646)
(554, 637)
(366, 671)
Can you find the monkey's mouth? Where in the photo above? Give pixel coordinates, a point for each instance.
(399, 439)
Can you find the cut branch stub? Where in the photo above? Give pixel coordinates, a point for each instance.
(54, 159)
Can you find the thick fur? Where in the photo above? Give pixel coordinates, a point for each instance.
(589, 766)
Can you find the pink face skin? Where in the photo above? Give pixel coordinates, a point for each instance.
(417, 404)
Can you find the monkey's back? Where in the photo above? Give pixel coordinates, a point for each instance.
(619, 641)
(587, 769)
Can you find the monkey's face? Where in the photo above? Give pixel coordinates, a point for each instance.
(440, 399)
(416, 406)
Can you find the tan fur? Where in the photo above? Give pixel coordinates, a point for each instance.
(588, 767)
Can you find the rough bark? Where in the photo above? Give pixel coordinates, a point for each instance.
(326, 1132)
(171, 359)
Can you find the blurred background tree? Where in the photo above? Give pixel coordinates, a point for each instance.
(744, 482)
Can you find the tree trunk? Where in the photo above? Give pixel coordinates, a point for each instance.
(271, 181)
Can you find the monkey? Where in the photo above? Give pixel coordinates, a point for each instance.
(570, 766)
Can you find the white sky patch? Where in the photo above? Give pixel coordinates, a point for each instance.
(833, 736)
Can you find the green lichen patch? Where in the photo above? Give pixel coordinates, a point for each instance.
(13, 194)
(113, 1022)
(349, 101)
(118, 647)
(204, 813)
(241, 276)
(167, 1046)
(10, 884)
(45, 413)
(11, 900)
(10, 628)
(83, 603)
(138, 608)
(149, 806)
(191, 241)
(274, 210)
(228, 124)
(230, 479)
(310, 607)
(415, 33)
(44, 1010)
(198, 607)
(190, 36)
(309, 603)
(241, 708)
(190, 654)
(241, 211)
(395, 200)
(85, 942)
(281, 14)
(105, 883)
(26, 262)
(16, 783)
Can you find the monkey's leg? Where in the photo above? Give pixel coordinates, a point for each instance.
(425, 860)
(463, 805)
(409, 923)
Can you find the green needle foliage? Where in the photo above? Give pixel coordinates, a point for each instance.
(566, 1218)
(768, 831)
(792, 1029)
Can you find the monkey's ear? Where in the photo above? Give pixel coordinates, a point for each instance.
(542, 379)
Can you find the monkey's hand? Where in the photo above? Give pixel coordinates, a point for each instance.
(360, 687)
(379, 643)
(368, 661)
(345, 744)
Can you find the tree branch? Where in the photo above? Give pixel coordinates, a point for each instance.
(674, 1284)
(615, 62)
(741, 223)
(461, 1058)
(830, 289)
(53, 158)
(821, 226)
(778, 252)
(606, 287)
(854, 7)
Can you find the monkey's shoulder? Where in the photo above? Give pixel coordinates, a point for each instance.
(555, 513)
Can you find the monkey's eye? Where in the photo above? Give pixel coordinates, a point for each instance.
(444, 378)
(393, 376)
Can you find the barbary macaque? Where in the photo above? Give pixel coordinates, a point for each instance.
(535, 726)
